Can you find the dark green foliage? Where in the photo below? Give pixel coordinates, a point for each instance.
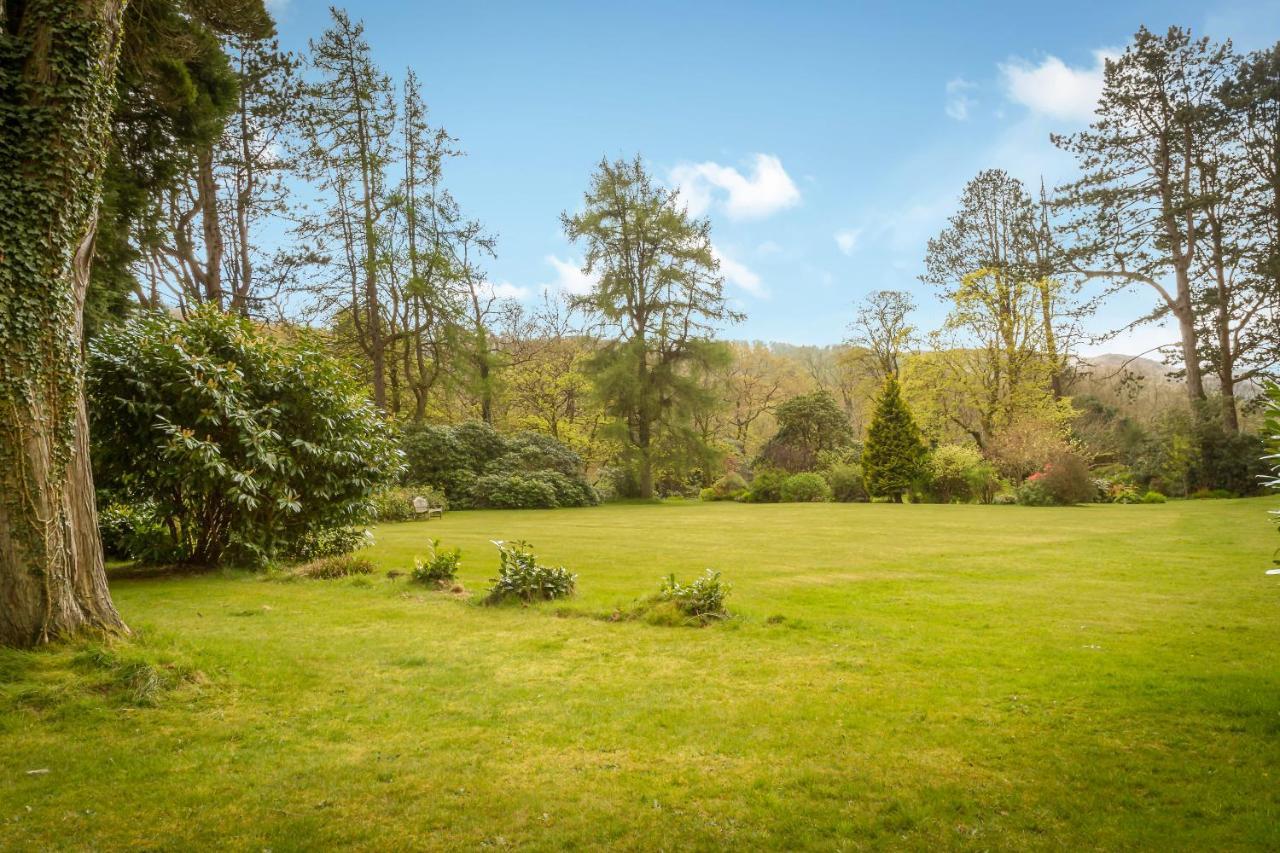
(702, 600)
(326, 542)
(133, 531)
(522, 578)
(766, 486)
(846, 482)
(808, 425)
(477, 467)
(440, 568)
(1271, 430)
(730, 487)
(250, 447)
(332, 568)
(893, 460)
(806, 487)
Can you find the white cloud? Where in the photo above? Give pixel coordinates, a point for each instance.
(503, 290)
(569, 276)
(847, 240)
(767, 190)
(768, 247)
(1055, 89)
(739, 274)
(958, 101)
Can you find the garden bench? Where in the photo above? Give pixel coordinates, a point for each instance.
(423, 508)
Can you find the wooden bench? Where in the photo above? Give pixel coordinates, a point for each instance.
(423, 508)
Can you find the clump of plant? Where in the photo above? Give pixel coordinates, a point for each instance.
(522, 578)
(766, 486)
(338, 566)
(701, 600)
(730, 487)
(1153, 498)
(440, 569)
(1063, 481)
(805, 488)
(846, 483)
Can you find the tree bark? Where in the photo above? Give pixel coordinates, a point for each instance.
(56, 84)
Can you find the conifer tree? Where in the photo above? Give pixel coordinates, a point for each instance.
(894, 455)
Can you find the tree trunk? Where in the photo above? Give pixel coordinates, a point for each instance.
(56, 83)
(207, 188)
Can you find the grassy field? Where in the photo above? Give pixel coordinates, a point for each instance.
(908, 676)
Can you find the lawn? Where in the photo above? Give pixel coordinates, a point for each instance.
(919, 676)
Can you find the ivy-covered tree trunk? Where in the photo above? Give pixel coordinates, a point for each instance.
(57, 70)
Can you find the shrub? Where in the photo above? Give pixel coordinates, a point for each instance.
(1005, 499)
(1121, 493)
(133, 531)
(522, 577)
(440, 568)
(329, 542)
(513, 491)
(331, 568)
(766, 486)
(703, 599)
(846, 483)
(1062, 482)
(1153, 498)
(476, 467)
(953, 472)
(730, 487)
(245, 441)
(1212, 494)
(805, 488)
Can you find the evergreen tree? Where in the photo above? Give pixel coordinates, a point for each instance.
(894, 457)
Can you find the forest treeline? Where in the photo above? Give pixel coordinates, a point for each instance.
(312, 189)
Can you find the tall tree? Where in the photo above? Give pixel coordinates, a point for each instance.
(1139, 203)
(57, 72)
(349, 123)
(894, 456)
(658, 289)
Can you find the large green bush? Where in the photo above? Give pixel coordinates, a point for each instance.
(846, 483)
(477, 467)
(730, 487)
(245, 444)
(954, 473)
(766, 486)
(1063, 481)
(808, 425)
(894, 457)
(805, 488)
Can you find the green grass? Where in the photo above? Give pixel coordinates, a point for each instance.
(919, 676)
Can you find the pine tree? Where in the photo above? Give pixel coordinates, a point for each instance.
(894, 455)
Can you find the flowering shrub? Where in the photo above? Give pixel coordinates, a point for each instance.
(522, 577)
(1062, 482)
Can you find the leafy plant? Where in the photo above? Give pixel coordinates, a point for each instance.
(766, 486)
(521, 577)
(440, 568)
(1153, 498)
(845, 480)
(805, 488)
(730, 487)
(703, 599)
(246, 442)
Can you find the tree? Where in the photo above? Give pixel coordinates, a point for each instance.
(1139, 206)
(994, 349)
(658, 288)
(807, 425)
(882, 326)
(57, 72)
(894, 457)
(348, 127)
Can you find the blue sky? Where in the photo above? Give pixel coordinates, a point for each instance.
(826, 141)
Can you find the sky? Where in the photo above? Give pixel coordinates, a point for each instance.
(827, 142)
